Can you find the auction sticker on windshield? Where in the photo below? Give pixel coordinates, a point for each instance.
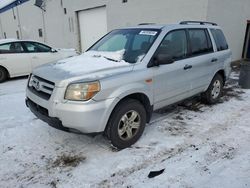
(152, 33)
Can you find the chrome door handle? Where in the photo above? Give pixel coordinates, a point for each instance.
(188, 67)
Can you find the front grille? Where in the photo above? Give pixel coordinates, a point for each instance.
(41, 87)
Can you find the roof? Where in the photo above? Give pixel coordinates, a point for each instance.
(173, 26)
(2, 41)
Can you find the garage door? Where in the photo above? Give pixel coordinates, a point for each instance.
(93, 25)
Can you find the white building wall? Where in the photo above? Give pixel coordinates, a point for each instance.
(158, 11)
(9, 24)
(30, 20)
(62, 30)
(232, 16)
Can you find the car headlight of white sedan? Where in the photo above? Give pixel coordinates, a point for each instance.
(82, 91)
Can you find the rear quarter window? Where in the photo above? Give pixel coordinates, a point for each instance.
(220, 39)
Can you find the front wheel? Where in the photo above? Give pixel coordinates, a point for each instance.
(214, 91)
(3, 74)
(126, 124)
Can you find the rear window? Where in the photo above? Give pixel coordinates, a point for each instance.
(220, 39)
(200, 41)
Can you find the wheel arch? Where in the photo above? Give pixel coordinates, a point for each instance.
(143, 99)
(139, 96)
(8, 73)
(222, 73)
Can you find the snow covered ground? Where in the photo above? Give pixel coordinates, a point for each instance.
(197, 145)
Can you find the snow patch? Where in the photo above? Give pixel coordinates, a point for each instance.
(92, 61)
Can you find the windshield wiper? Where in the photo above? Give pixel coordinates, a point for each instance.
(110, 59)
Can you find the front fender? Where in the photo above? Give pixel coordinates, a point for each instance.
(121, 92)
(133, 88)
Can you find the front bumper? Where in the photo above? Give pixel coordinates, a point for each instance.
(42, 114)
(86, 117)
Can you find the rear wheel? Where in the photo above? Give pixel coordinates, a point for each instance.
(3, 74)
(214, 91)
(126, 124)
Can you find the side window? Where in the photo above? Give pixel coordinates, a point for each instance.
(15, 47)
(220, 39)
(116, 43)
(42, 47)
(34, 47)
(174, 45)
(200, 41)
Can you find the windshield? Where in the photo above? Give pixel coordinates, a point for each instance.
(134, 43)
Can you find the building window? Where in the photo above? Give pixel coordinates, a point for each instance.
(5, 36)
(40, 32)
(65, 11)
(124, 1)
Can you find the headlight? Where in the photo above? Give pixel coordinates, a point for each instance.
(82, 91)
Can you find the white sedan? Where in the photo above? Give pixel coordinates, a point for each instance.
(19, 57)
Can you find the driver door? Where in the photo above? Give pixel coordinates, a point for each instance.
(170, 80)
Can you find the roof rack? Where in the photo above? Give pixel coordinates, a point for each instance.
(197, 22)
(146, 24)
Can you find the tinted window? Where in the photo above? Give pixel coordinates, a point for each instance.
(200, 41)
(220, 39)
(174, 45)
(15, 47)
(36, 47)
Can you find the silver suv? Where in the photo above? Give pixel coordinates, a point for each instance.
(118, 82)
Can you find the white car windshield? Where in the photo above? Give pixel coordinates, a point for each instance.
(134, 43)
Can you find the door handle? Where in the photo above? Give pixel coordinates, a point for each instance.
(188, 67)
(34, 57)
(214, 60)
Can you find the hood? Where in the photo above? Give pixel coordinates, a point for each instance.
(66, 49)
(89, 66)
(67, 52)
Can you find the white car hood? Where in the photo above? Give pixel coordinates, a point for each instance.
(89, 66)
(67, 52)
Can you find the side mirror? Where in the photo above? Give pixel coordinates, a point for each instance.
(53, 50)
(161, 59)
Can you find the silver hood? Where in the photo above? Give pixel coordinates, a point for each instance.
(86, 67)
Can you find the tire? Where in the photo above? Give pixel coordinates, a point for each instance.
(214, 92)
(3, 74)
(126, 123)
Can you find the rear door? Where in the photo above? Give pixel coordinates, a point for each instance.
(223, 54)
(15, 59)
(40, 54)
(201, 59)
